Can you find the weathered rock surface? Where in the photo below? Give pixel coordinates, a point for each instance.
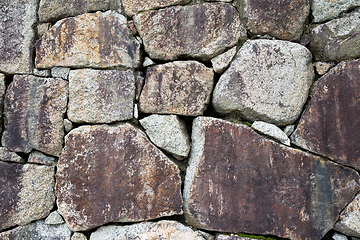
(182, 87)
(281, 191)
(60, 72)
(329, 125)
(198, 31)
(324, 9)
(26, 193)
(68, 125)
(148, 62)
(101, 96)
(78, 236)
(323, 67)
(272, 131)
(42, 72)
(221, 62)
(349, 220)
(8, 156)
(2, 94)
(17, 35)
(132, 7)
(114, 173)
(34, 109)
(283, 19)
(169, 133)
(337, 40)
(231, 237)
(147, 230)
(269, 81)
(338, 236)
(42, 28)
(54, 218)
(99, 40)
(40, 158)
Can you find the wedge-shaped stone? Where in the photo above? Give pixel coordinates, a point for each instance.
(2, 94)
(198, 31)
(114, 173)
(99, 40)
(324, 9)
(8, 156)
(238, 181)
(34, 110)
(132, 7)
(330, 124)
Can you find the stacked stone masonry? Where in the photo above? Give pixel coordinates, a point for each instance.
(180, 119)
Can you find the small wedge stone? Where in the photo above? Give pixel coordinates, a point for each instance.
(272, 131)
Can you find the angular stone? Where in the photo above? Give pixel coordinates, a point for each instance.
(132, 7)
(323, 10)
(17, 35)
(42, 73)
(42, 28)
(338, 236)
(269, 81)
(272, 131)
(125, 178)
(34, 110)
(101, 96)
(147, 230)
(99, 40)
(182, 87)
(2, 94)
(26, 193)
(78, 236)
(54, 218)
(221, 62)
(231, 237)
(68, 125)
(9, 156)
(169, 133)
(50, 10)
(148, 62)
(60, 72)
(349, 220)
(238, 181)
(283, 19)
(289, 129)
(197, 31)
(323, 67)
(337, 40)
(329, 125)
(40, 158)
(140, 80)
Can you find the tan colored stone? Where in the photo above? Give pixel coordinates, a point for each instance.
(323, 67)
(133, 7)
(42, 28)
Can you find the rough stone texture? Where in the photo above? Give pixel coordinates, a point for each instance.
(349, 220)
(238, 181)
(60, 72)
(114, 173)
(68, 125)
(78, 236)
(42, 73)
(54, 218)
(40, 158)
(42, 28)
(329, 125)
(140, 80)
(327, 9)
(9, 156)
(338, 236)
(272, 131)
(133, 7)
(221, 62)
(289, 129)
(231, 237)
(148, 62)
(198, 31)
(38, 231)
(101, 96)
(269, 81)
(337, 40)
(2, 94)
(98, 40)
(26, 193)
(283, 19)
(170, 230)
(323, 67)
(169, 133)
(34, 109)
(182, 87)
(17, 35)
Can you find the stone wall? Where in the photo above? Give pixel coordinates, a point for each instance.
(180, 119)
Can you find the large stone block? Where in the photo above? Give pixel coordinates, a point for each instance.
(323, 10)
(132, 7)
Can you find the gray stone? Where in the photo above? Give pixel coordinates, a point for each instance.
(54, 218)
(60, 72)
(136, 111)
(9, 156)
(68, 125)
(101, 96)
(349, 220)
(323, 67)
(2, 94)
(42, 72)
(205, 235)
(269, 81)
(78, 236)
(197, 31)
(40, 158)
(169, 133)
(17, 35)
(140, 80)
(132, 7)
(272, 131)
(323, 10)
(289, 129)
(231, 237)
(221, 62)
(337, 236)
(42, 28)
(148, 62)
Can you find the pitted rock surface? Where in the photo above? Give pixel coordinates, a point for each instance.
(101, 96)
(238, 181)
(132, 7)
(323, 10)
(34, 110)
(99, 40)
(269, 81)
(182, 87)
(114, 173)
(329, 125)
(198, 31)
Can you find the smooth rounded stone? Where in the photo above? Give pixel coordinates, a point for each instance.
(148, 62)
(283, 19)
(17, 35)
(323, 67)
(60, 72)
(133, 7)
(34, 110)
(42, 28)
(329, 126)
(42, 72)
(197, 31)
(170, 230)
(26, 193)
(40, 158)
(78, 236)
(238, 181)
(182, 87)
(101, 96)
(272, 131)
(337, 40)
(169, 133)
(349, 220)
(221, 62)
(8, 156)
(323, 10)
(338, 236)
(269, 81)
(54, 218)
(114, 173)
(68, 125)
(99, 40)
(289, 129)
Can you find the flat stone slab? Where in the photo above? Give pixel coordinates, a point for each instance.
(182, 87)
(34, 110)
(323, 10)
(328, 125)
(114, 173)
(133, 7)
(40, 158)
(99, 40)
(101, 96)
(8, 156)
(197, 31)
(238, 181)
(269, 80)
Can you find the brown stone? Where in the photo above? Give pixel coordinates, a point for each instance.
(114, 173)
(182, 87)
(330, 124)
(238, 181)
(132, 7)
